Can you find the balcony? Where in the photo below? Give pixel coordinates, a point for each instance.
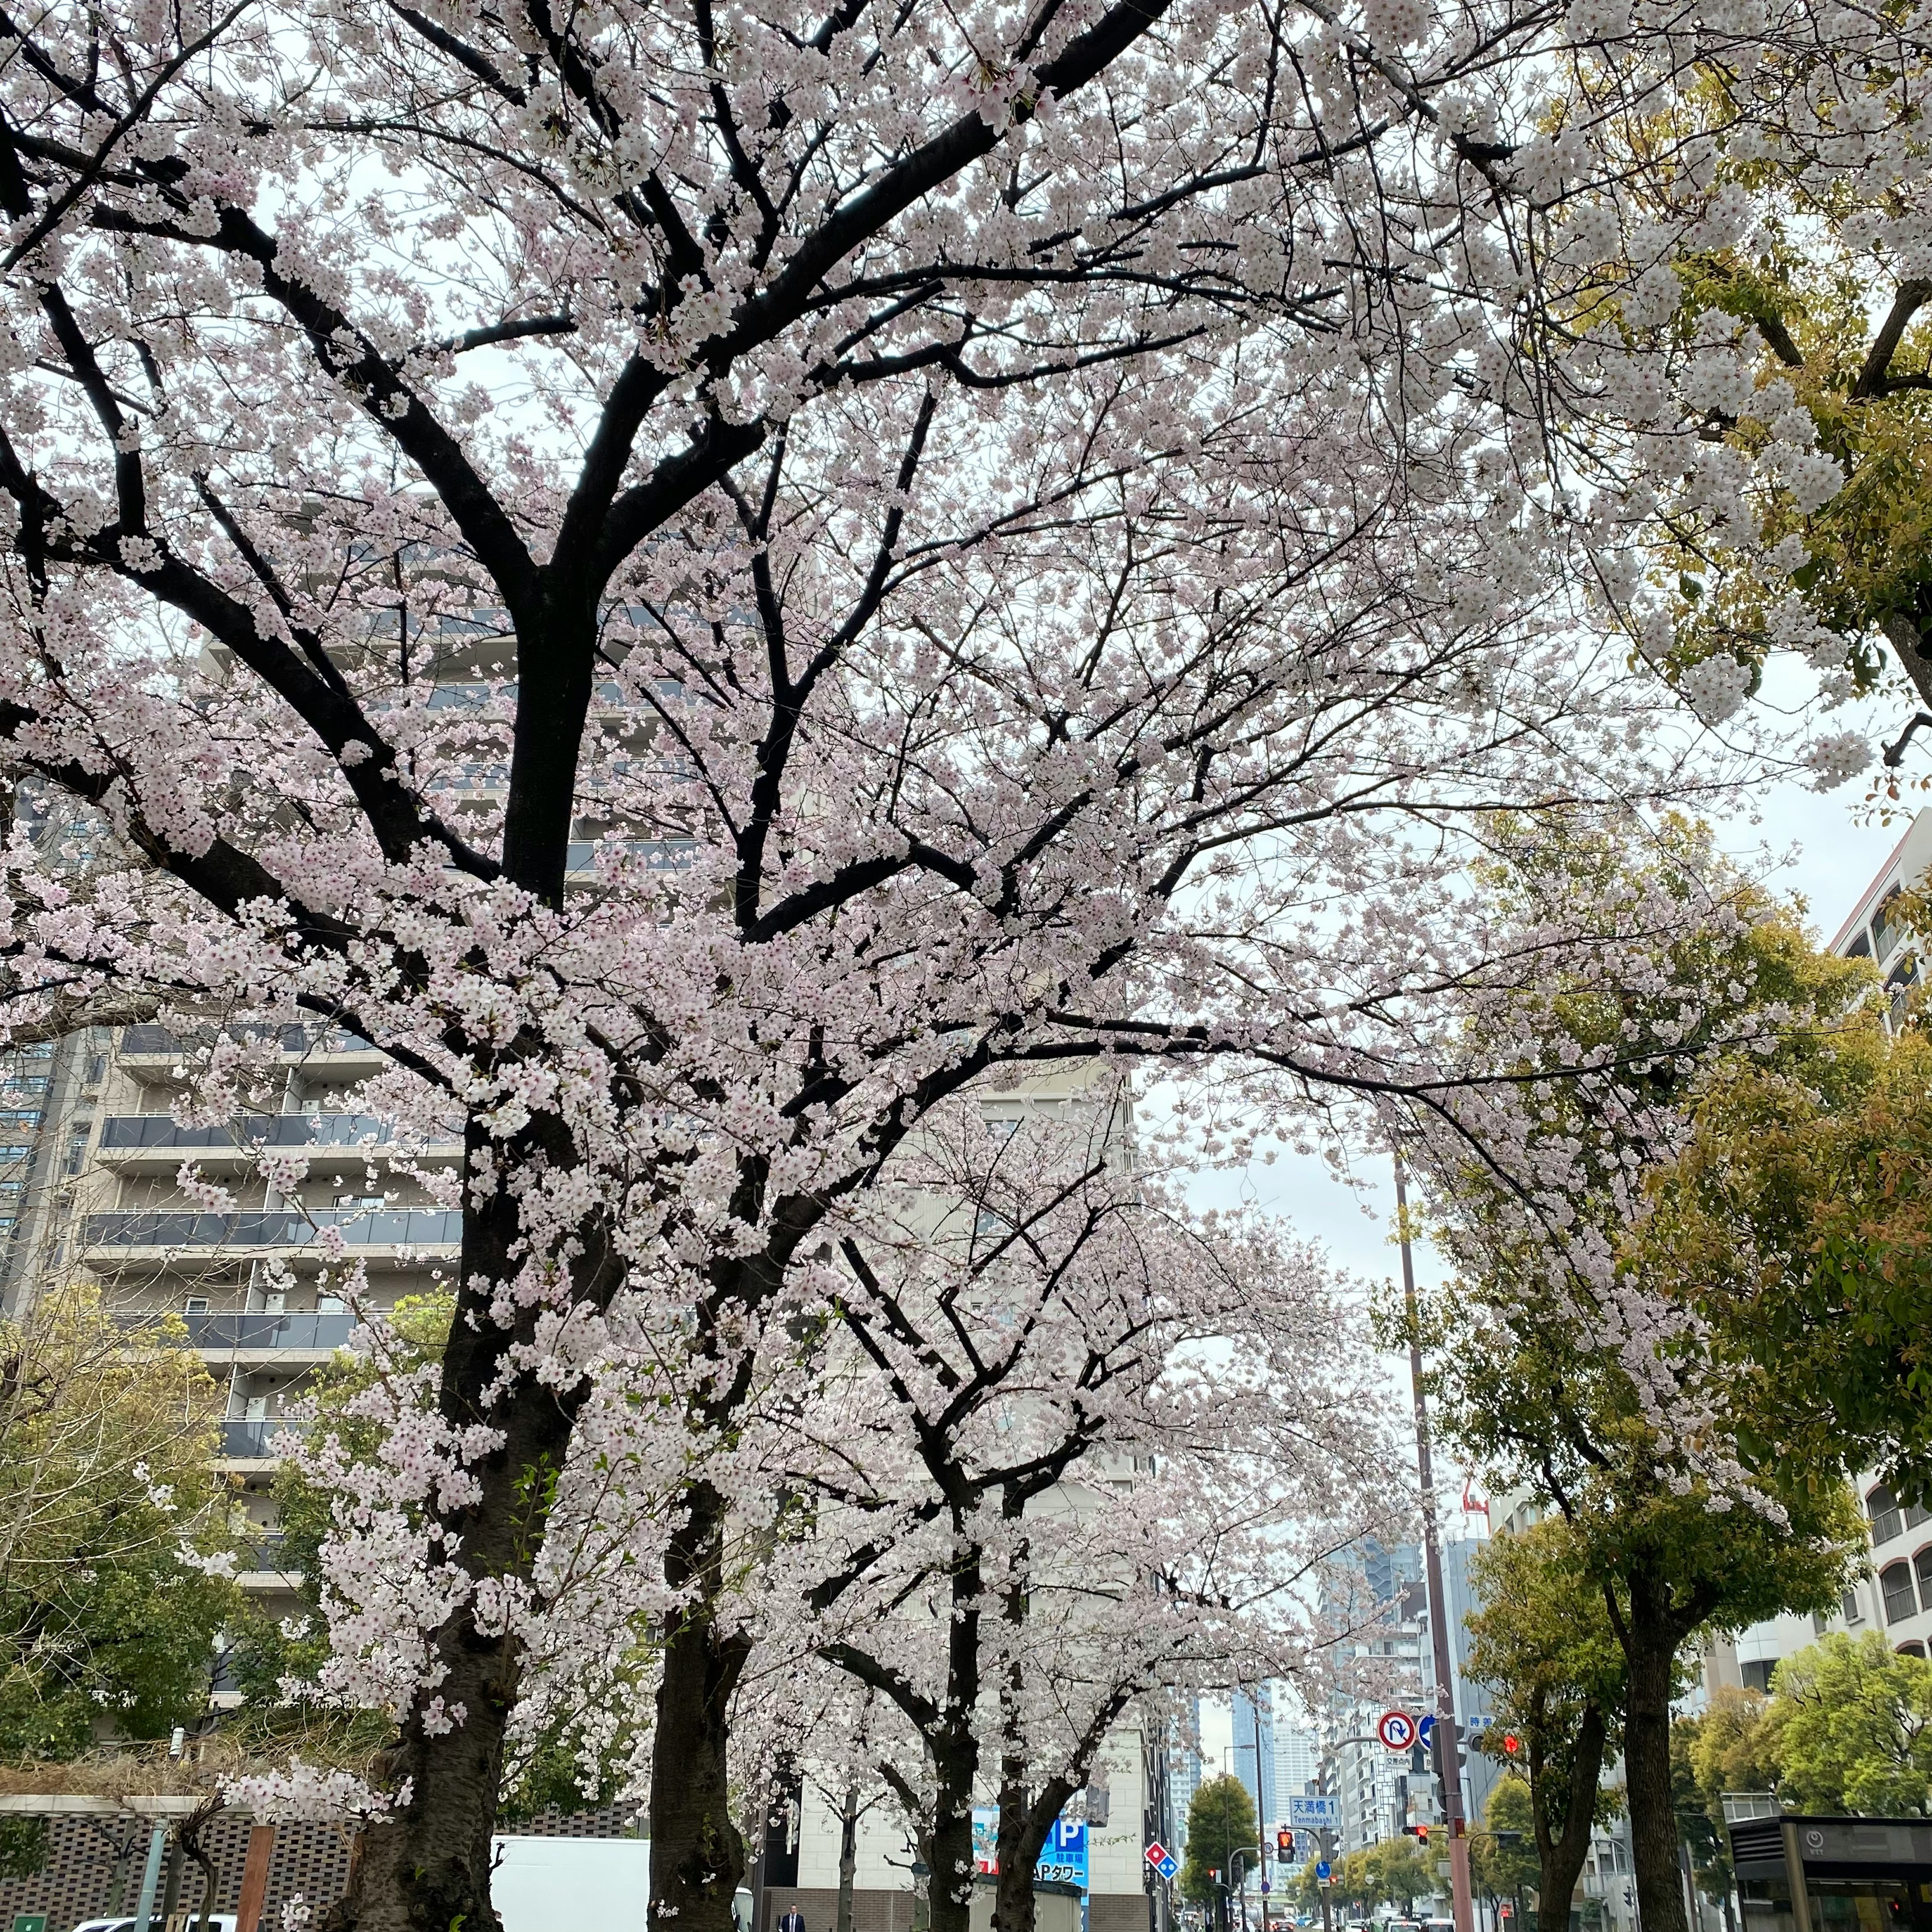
(253, 1442)
(268, 1333)
(130, 1137)
(166, 1230)
(660, 855)
(149, 1042)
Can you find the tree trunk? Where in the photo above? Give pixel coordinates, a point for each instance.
(950, 1886)
(1025, 1824)
(426, 1868)
(1651, 1638)
(848, 1856)
(698, 1856)
(1560, 1854)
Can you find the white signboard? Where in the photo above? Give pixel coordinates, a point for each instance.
(1313, 1813)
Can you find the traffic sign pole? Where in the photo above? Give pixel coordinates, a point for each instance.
(1450, 1770)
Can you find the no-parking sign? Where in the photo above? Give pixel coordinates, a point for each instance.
(1396, 1728)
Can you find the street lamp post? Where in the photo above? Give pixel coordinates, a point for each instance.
(1451, 1779)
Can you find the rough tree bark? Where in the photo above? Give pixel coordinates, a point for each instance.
(1560, 1854)
(426, 1868)
(698, 1854)
(1651, 1632)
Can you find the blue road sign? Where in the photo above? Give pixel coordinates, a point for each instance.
(1321, 1872)
(1425, 1732)
(1167, 1868)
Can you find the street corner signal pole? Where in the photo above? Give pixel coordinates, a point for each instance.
(1449, 1755)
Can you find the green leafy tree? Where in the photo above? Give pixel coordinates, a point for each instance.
(1543, 1643)
(1726, 1746)
(1220, 1823)
(1534, 1380)
(107, 1434)
(1401, 1872)
(1701, 1827)
(1851, 1725)
(1358, 1882)
(1504, 1855)
(1806, 1193)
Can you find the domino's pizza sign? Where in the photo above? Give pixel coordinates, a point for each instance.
(1062, 1859)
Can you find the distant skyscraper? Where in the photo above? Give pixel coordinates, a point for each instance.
(1258, 1777)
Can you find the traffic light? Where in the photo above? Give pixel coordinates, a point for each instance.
(1284, 1845)
(1512, 1745)
(1419, 1832)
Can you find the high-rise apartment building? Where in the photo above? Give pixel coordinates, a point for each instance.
(1375, 1599)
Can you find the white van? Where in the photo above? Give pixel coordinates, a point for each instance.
(189, 1921)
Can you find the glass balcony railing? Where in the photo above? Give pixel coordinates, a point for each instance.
(254, 1441)
(275, 1228)
(291, 1038)
(125, 1131)
(265, 1552)
(660, 855)
(312, 1330)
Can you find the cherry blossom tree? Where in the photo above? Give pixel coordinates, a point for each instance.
(1083, 1448)
(969, 538)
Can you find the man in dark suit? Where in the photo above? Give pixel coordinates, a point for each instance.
(792, 1921)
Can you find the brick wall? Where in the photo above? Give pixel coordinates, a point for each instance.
(93, 1866)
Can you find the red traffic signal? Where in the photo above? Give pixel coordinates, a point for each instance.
(1420, 1831)
(1512, 1745)
(1284, 1844)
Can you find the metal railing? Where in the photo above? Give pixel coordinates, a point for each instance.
(275, 1228)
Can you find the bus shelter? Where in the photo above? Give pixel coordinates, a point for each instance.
(1834, 1874)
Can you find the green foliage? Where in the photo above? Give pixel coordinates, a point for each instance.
(1400, 1872)
(1804, 1204)
(106, 1436)
(1726, 1746)
(1700, 1823)
(1542, 1641)
(1220, 1821)
(1533, 1381)
(1503, 1866)
(1851, 1728)
(23, 1847)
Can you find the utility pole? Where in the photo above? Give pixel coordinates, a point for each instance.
(1261, 1823)
(1447, 1756)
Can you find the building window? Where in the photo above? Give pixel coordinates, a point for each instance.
(1911, 1650)
(1860, 948)
(1849, 1604)
(1881, 1506)
(1901, 1600)
(1922, 1563)
(1885, 933)
(1755, 1673)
